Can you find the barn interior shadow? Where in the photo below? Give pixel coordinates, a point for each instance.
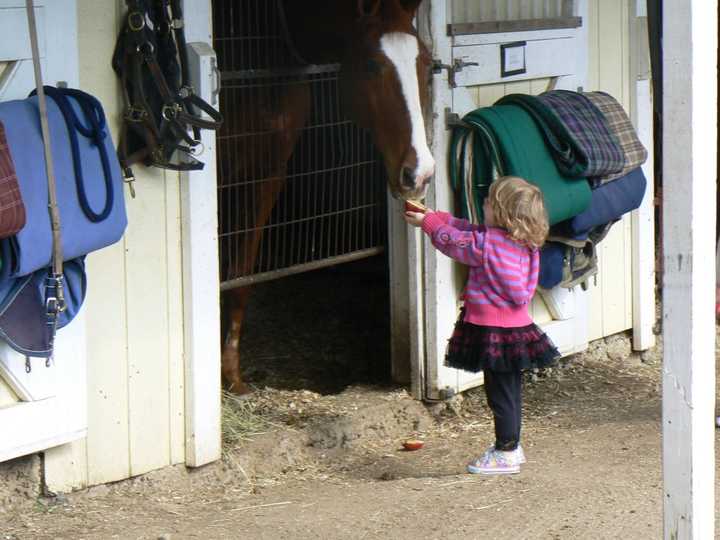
(321, 331)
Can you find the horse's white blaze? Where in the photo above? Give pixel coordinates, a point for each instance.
(402, 50)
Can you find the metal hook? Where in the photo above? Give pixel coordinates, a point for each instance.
(195, 151)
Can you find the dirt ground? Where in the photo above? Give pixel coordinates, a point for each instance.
(324, 461)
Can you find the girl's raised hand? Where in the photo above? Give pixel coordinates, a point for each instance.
(414, 218)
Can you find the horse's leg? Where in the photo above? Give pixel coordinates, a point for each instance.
(291, 117)
(236, 299)
(234, 302)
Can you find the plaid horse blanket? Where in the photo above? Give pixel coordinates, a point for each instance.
(575, 130)
(622, 128)
(12, 208)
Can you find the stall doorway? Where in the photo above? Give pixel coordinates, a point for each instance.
(308, 233)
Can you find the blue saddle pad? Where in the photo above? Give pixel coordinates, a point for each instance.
(88, 177)
(23, 320)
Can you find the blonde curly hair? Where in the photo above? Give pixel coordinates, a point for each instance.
(518, 207)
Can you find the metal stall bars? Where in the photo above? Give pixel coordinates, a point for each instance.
(331, 203)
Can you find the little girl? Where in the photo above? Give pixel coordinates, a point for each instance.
(494, 332)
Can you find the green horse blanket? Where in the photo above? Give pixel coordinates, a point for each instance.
(505, 140)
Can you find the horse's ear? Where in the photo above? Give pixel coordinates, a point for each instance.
(410, 6)
(368, 7)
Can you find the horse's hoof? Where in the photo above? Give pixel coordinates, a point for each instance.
(239, 388)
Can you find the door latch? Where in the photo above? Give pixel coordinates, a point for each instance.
(456, 67)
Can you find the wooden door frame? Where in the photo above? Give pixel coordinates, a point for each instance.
(201, 277)
(643, 219)
(689, 58)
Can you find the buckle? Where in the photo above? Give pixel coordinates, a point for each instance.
(135, 114)
(186, 91)
(146, 48)
(129, 179)
(55, 300)
(197, 149)
(158, 156)
(51, 306)
(136, 21)
(170, 112)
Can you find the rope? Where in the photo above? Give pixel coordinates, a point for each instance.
(92, 109)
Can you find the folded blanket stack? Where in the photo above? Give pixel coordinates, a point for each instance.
(565, 143)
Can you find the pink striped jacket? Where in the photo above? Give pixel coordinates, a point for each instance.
(503, 273)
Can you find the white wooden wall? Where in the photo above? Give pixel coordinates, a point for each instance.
(609, 71)
(7, 396)
(609, 68)
(134, 309)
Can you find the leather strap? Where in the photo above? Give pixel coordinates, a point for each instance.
(54, 294)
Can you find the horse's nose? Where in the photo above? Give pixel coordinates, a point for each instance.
(408, 178)
(424, 178)
(412, 179)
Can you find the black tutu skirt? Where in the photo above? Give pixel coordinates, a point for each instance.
(475, 348)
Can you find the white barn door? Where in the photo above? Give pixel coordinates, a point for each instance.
(42, 405)
(557, 52)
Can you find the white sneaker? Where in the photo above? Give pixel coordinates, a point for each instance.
(519, 453)
(494, 462)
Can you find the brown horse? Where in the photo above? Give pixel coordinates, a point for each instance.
(384, 87)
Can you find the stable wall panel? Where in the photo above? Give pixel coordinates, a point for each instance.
(545, 58)
(608, 70)
(104, 455)
(147, 301)
(134, 307)
(488, 94)
(7, 396)
(175, 349)
(107, 442)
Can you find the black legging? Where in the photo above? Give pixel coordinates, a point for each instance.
(504, 396)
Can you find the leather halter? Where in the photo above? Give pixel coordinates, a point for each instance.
(160, 106)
